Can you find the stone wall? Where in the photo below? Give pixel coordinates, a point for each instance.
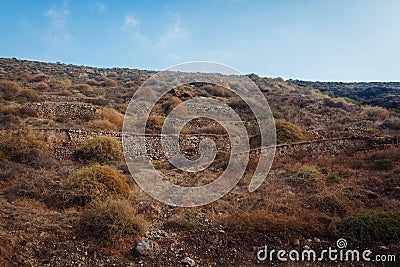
(71, 110)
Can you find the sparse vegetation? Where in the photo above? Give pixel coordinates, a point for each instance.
(9, 89)
(383, 164)
(307, 177)
(83, 87)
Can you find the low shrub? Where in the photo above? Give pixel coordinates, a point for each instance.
(83, 87)
(28, 95)
(329, 202)
(188, 220)
(41, 86)
(107, 82)
(92, 82)
(101, 125)
(393, 124)
(113, 116)
(287, 132)
(99, 149)
(111, 220)
(307, 177)
(25, 146)
(9, 89)
(334, 176)
(371, 225)
(383, 164)
(40, 77)
(154, 123)
(65, 92)
(95, 182)
(170, 104)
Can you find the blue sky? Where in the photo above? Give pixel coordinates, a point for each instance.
(311, 40)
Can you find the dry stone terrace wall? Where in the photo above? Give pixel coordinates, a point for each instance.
(69, 110)
(64, 142)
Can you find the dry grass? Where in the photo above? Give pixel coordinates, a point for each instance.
(99, 149)
(101, 125)
(307, 178)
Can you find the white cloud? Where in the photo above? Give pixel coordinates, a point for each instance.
(130, 22)
(58, 17)
(175, 32)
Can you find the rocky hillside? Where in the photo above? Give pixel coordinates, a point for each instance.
(67, 197)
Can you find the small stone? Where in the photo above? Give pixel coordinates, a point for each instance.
(306, 247)
(143, 247)
(221, 231)
(296, 242)
(317, 240)
(188, 262)
(384, 247)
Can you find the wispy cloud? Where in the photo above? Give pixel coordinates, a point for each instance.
(175, 32)
(130, 23)
(58, 18)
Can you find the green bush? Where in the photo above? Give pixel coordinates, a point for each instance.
(287, 132)
(112, 220)
(95, 182)
(371, 226)
(99, 149)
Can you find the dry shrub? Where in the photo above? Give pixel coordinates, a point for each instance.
(393, 123)
(307, 178)
(65, 92)
(8, 115)
(98, 101)
(25, 112)
(330, 202)
(40, 77)
(92, 82)
(25, 146)
(130, 84)
(41, 86)
(82, 87)
(95, 182)
(170, 104)
(101, 125)
(154, 123)
(112, 74)
(59, 83)
(212, 129)
(99, 149)
(9, 89)
(189, 220)
(28, 95)
(113, 116)
(252, 223)
(376, 113)
(25, 77)
(383, 164)
(107, 82)
(287, 132)
(217, 90)
(381, 226)
(111, 220)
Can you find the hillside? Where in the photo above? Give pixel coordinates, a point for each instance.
(384, 94)
(68, 199)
